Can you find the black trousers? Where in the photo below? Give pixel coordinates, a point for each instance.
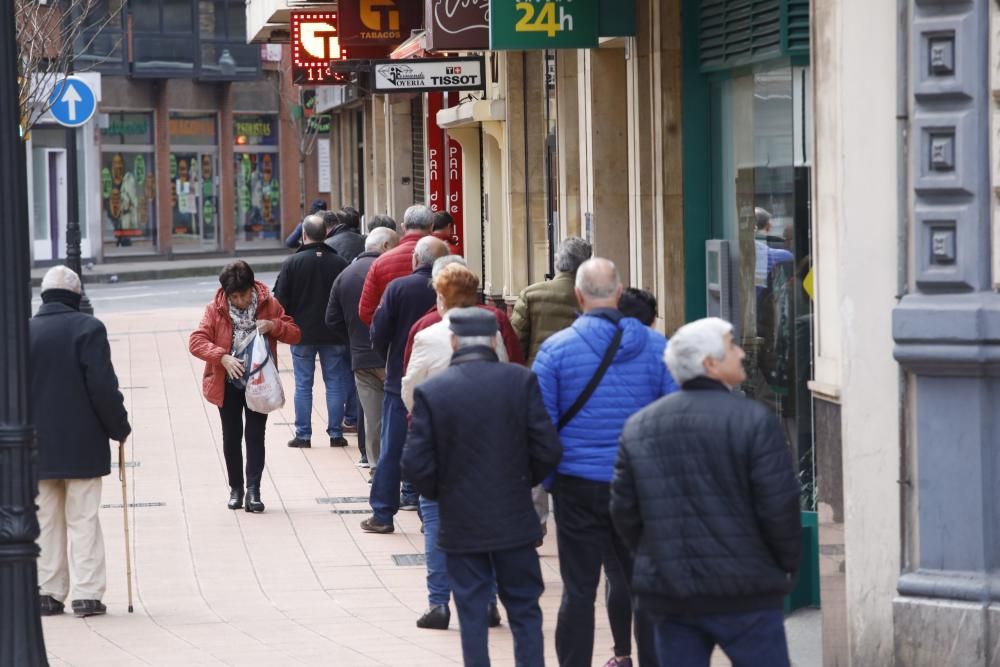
(587, 539)
(519, 585)
(232, 412)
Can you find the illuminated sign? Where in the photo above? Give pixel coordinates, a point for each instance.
(378, 22)
(314, 46)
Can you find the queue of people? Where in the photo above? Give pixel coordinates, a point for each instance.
(681, 491)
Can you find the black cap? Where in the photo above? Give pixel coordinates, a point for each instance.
(468, 322)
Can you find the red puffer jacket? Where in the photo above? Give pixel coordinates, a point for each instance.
(394, 264)
(214, 337)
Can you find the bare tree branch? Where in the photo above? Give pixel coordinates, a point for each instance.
(49, 37)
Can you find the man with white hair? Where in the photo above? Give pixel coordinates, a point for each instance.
(404, 302)
(706, 497)
(368, 366)
(417, 223)
(72, 375)
(595, 375)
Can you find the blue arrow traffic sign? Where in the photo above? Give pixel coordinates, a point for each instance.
(72, 102)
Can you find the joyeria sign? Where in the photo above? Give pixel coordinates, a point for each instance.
(378, 22)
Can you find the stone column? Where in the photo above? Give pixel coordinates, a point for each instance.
(399, 158)
(568, 143)
(161, 146)
(946, 332)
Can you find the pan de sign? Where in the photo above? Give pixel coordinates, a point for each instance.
(428, 75)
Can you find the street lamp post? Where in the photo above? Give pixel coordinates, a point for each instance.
(21, 641)
(73, 234)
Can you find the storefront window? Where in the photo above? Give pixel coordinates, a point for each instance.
(258, 205)
(762, 141)
(128, 184)
(194, 182)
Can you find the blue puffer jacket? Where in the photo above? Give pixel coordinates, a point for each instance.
(637, 377)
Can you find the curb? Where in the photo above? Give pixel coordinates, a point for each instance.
(161, 273)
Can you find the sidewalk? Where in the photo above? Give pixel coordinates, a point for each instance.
(300, 584)
(158, 269)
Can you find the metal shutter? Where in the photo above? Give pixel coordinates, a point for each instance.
(417, 132)
(734, 33)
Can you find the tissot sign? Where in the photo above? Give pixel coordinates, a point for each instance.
(430, 74)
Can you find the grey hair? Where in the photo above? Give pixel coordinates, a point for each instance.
(474, 341)
(595, 283)
(763, 218)
(313, 228)
(442, 262)
(427, 249)
(378, 237)
(572, 252)
(418, 217)
(692, 344)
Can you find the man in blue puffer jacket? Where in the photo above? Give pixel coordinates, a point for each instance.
(635, 378)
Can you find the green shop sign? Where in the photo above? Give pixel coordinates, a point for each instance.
(543, 24)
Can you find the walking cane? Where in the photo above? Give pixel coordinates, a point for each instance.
(128, 546)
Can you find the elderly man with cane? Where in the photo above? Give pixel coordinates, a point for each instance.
(70, 362)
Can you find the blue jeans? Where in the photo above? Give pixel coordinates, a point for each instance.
(749, 639)
(384, 496)
(332, 360)
(519, 581)
(438, 584)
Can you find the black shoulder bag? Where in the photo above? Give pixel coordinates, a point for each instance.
(591, 387)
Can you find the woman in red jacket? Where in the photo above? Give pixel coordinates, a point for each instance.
(241, 307)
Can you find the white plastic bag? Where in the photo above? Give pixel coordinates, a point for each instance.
(264, 391)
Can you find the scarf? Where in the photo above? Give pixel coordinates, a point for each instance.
(63, 296)
(244, 322)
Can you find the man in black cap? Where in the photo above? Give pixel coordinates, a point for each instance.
(479, 439)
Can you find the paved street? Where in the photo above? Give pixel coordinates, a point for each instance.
(298, 585)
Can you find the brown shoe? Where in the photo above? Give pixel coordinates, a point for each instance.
(370, 525)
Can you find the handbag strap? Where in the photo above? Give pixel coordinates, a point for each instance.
(591, 387)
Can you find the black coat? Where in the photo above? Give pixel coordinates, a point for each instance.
(705, 495)
(347, 242)
(303, 289)
(342, 312)
(479, 440)
(76, 406)
(404, 301)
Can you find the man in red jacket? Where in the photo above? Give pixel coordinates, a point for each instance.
(396, 263)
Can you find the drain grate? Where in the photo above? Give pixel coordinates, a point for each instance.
(364, 511)
(128, 464)
(339, 500)
(119, 505)
(408, 560)
(136, 386)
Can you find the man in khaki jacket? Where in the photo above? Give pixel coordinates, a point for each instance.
(543, 309)
(550, 305)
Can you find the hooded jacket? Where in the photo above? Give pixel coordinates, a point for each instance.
(346, 241)
(213, 338)
(637, 377)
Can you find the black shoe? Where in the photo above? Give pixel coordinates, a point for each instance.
(370, 525)
(409, 504)
(84, 608)
(494, 615)
(339, 441)
(435, 618)
(235, 498)
(51, 606)
(348, 427)
(299, 442)
(253, 503)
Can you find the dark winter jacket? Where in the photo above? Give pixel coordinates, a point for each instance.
(543, 309)
(705, 496)
(303, 289)
(346, 241)
(75, 405)
(637, 377)
(405, 301)
(479, 440)
(342, 312)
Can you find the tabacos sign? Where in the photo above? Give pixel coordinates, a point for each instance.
(428, 75)
(543, 24)
(378, 22)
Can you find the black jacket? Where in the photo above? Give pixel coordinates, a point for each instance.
(405, 301)
(479, 440)
(342, 312)
(346, 241)
(303, 289)
(75, 405)
(705, 496)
